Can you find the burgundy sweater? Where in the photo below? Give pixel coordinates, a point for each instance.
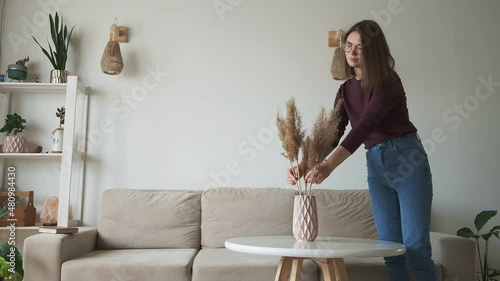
(376, 116)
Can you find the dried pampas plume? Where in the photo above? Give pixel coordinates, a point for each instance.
(333, 122)
(291, 133)
(324, 135)
(315, 147)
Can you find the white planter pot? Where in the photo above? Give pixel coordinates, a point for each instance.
(14, 144)
(57, 140)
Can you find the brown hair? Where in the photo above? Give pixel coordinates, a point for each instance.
(378, 63)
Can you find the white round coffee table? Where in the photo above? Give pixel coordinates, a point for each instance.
(329, 251)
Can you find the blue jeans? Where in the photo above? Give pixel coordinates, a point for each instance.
(400, 184)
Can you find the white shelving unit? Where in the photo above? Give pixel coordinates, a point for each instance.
(75, 96)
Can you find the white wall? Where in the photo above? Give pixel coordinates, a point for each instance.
(221, 76)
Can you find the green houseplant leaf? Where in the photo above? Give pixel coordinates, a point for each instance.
(494, 273)
(3, 212)
(482, 218)
(60, 39)
(495, 228)
(4, 269)
(5, 250)
(14, 124)
(467, 233)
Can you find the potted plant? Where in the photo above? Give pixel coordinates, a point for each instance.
(57, 134)
(59, 54)
(14, 142)
(314, 147)
(486, 273)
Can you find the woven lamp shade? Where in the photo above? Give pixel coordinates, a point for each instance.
(112, 61)
(338, 65)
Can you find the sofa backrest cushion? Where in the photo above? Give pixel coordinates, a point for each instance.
(233, 212)
(131, 219)
(345, 213)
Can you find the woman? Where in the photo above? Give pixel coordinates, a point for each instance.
(399, 177)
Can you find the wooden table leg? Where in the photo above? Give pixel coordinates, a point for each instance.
(333, 269)
(296, 269)
(289, 268)
(284, 268)
(340, 270)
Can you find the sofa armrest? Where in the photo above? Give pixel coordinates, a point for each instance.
(43, 254)
(457, 255)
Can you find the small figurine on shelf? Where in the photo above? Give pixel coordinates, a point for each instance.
(50, 211)
(57, 134)
(18, 71)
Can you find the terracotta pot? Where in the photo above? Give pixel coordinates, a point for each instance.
(305, 218)
(14, 144)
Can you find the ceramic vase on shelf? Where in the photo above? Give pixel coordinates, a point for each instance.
(305, 218)
(14, 144)
(57, 140)
(59, 76)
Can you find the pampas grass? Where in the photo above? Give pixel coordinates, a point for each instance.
(315, 147)
(291, 134)
(320, 142)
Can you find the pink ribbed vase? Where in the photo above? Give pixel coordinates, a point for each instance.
(305, 218)
(14, 144)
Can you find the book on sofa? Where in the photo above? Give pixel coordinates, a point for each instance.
(57, 229)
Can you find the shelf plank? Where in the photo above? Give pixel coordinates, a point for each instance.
(72, 223)
(34, 88)
(32, 228)
(31, 156)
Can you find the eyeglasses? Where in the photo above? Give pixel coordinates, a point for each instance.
(347, 47)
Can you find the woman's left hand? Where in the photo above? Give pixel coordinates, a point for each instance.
(319, 174)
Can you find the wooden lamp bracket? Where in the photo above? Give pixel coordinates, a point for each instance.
(334, 38)
(118, 33)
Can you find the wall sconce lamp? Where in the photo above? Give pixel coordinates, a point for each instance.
(112, 61)
(338, 61)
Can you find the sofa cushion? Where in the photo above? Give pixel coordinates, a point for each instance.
(345, 213)
(146, 219)
(233, 212)
(134, 264)
(221, 264)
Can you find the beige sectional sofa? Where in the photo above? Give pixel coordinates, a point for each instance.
(178, 235)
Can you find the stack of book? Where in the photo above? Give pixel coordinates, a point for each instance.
(57, 229)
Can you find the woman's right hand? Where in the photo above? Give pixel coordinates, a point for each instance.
(292, 175)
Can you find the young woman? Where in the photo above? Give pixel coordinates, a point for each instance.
(399, 177)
